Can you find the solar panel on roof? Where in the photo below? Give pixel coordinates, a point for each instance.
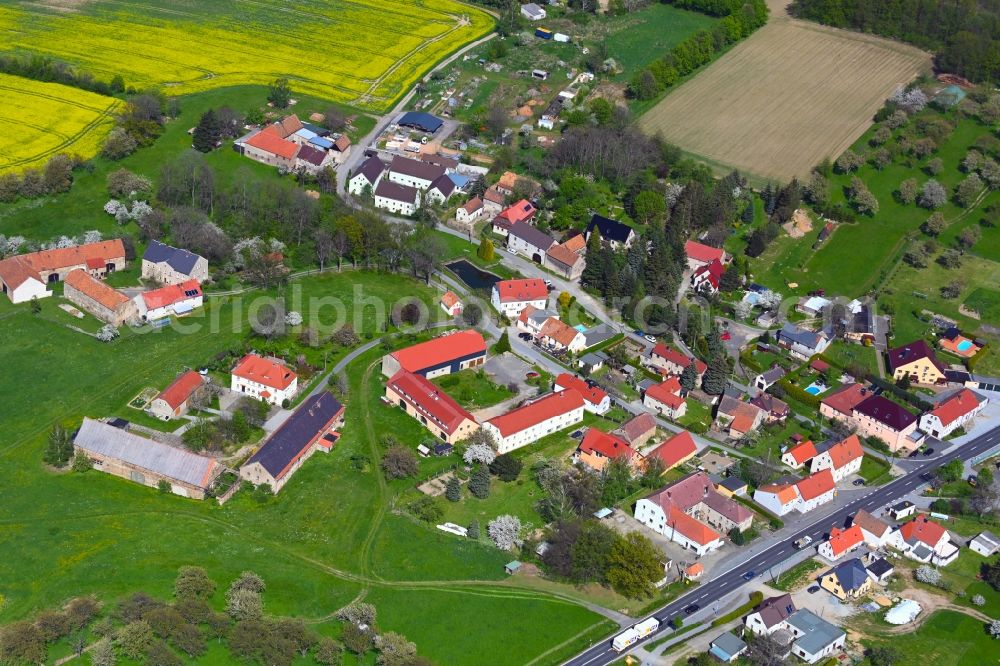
(191, 292)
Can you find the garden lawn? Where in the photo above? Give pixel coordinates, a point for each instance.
(697, 416)
(636, 39)
(874, 470)
(947, 638)
(473, 389)
(844, 354)
(796, 576)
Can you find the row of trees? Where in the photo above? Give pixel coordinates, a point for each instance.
(742, 17)
(45, 68)
(34, 182)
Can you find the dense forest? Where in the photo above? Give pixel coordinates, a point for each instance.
(963, 34)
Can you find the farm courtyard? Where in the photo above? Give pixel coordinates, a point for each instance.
(779, 103)
(365, 52)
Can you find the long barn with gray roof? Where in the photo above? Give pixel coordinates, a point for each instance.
(143, 460)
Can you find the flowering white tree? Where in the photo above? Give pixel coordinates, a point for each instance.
(770, 300)
(978, 600)
(932, 195)
(995, 628)
(113, 206)
(672, 192)
(92, 236)
(505, 532)
(479, 453)
(742, 309)
(10, 244)
(293, 318)
(107, 333)
(64, 242)
(140, 209)
(911, 101)
(929, 575)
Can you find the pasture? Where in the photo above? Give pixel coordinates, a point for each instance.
(50, 118)
(363, 52)
(788, 97)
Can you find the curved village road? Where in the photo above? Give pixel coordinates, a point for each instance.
(728, 582)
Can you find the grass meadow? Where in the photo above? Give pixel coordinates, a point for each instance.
(363, 52)
(50, 118)
(947, 638)
(331, 535)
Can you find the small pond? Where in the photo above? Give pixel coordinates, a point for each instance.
(472, 275)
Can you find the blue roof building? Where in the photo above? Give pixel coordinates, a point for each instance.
(424, 122)
(308, 429)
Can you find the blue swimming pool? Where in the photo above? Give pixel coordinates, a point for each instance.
(812, 389)
(964, 345)
(581, 328)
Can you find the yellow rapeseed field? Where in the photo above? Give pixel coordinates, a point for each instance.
(361, 52)
(39, 120)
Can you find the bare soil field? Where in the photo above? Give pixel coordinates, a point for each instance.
(791, 95)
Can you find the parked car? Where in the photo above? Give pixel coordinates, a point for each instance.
(524, 336)
(726, 336)
(928, 452)
(858, 482)
(650, 338)
(973, 480)
(927, 476)
(813, 590)
(531, 374)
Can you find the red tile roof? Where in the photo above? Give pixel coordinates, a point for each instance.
(692, 529)
(16, 270)
(846, 398)
(606, 445)
(671, 355)
(784, 492)
(472, 205)
(701, 252)
(592, 394)
(679, 447)
(181, 389)
(271, 141)
(843, 540)
(264, 371)
(816, 484)
(869, 523)
(494, 195)
(440, 350)
(95, 289)
(712, 272)
(955, 406)
(845, 451)
(431, 401)
(667, 392)
(922, 529)
(744, 417)
(531, 289)
(802, 452)
(174, 293)
(819, 365)
(289, 125)
(641, 424)
(450, 299)
(559, 331)
(537, 412)
(522, 211)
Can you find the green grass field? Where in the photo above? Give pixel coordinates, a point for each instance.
(473, 391)
(846, 353)
(946, 639)
(382, 48)
(635, 40)
(329, 536)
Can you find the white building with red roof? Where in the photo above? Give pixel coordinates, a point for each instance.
(667, 360)
(522, 211)
(708, 277)
(531, 422)
(431, 406)
(666, 399)
(595, 400)
(509, 297)
(25, 276)
(445, 354)
(843, 458)
(692, 513)
(924, 540)
(797, 456)
(174, 399)
(699, 254)
(598, 448)
(955, 411)
(451, 304)
(265, 379)
(841, 542)
(173, 299)
(803, 496)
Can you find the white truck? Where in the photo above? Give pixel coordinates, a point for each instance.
(624, 640)
(647, 627)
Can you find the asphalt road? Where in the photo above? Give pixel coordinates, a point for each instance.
(707, 594)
